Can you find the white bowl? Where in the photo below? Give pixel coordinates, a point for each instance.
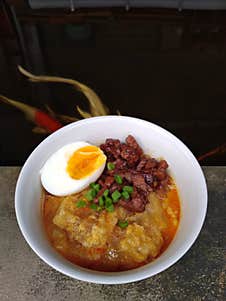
(155, 141)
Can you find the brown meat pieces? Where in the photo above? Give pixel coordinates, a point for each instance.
(141, 164)
(124, 154)
(131, 141)
(111, 148)
(150, 164)
(137, 202)
(141, 171)
(109, 181)
(134, 205)
(163, 164)
(114, 187)
(120, 163)
(138, 181)
(129, 154)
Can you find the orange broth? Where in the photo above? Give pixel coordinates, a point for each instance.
(94, 240)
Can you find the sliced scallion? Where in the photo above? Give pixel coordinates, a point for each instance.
(101, 201)
(110, 166)
(106, 192)
(128, 189)
(94, 206)
(110, 208)
(108, 202)
(122, 224)
(80, 204)
(116, 196)
(118, 179)
(125, 195)
(90, 195)
(95, 186)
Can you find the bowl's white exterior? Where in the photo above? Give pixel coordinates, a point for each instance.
(155, 141)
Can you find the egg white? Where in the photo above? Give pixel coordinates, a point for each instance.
(54, 176)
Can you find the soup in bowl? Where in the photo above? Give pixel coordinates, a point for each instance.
(111, 199)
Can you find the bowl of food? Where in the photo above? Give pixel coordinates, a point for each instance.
(111, 200)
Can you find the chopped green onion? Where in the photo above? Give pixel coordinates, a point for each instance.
(110, 166)
(95, 186)
(108, 202)
(122, 224)
(99, 208)
(94, 206)
(90, 195)
(108, 205)
(110, 208)
(101, 201)
(125, 194)
(128, 189)
(106, 192)
(91, 185)
(118, 179)
(80, 204)
(116, 196)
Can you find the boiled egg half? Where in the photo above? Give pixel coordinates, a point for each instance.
(72, 168)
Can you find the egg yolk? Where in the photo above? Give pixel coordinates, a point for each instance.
(85, 161)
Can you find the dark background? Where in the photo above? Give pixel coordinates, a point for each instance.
(164, 66)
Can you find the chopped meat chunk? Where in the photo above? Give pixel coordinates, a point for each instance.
(109, 181)
(114, 187)
(144, 173)
(163, 164)
(126, 174)
(120, 163)
(141, 164)
(137, 202)
(134, 205)
(139, 182)
(131, 141)
(160, 174)
(129, 154)
(151, 163)
(111, 148)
